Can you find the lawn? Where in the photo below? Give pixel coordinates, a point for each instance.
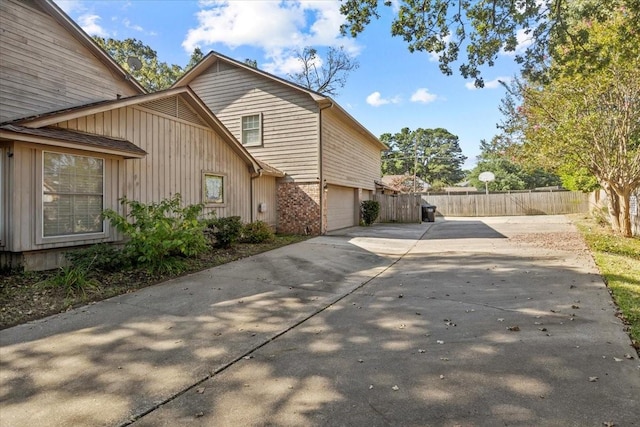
(618, 259)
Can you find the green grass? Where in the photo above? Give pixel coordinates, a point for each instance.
(618, 259)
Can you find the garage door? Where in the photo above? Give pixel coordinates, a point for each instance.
(341, 207)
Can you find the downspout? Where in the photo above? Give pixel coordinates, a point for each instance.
(321, 183)
(252, 193)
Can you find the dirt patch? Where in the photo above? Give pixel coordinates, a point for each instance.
(26, 296)
(562, 241)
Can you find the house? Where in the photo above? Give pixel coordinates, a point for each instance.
(49, 63)
(331, 161)
(63, 160)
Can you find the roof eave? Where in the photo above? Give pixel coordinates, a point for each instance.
(40, 140)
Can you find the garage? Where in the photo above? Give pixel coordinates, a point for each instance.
(341, 207)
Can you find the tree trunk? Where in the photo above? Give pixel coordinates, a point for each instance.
(613, 204)
(624, 202)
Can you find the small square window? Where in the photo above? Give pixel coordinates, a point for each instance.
(251, 130)
(213, 188)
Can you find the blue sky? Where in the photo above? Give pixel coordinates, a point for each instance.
(391, 89)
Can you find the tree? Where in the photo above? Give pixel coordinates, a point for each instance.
(153, 75)
(588, 116)
(326, 76)
(433, 155)
(485, 28)
(500, 157)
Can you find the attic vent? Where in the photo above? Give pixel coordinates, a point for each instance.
(186, 113)
(175, 107)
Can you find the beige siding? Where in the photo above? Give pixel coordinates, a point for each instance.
(289, 117)
(264, 191)
(43, 68)
(178, 154)
(348, 158)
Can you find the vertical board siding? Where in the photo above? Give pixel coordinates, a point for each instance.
(343, 148)
(399, 207)
(289, 117)
(264, 191)
(178, 154)
(510, 204)
(44, 68)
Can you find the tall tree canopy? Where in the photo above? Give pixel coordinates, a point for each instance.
(588, 116)
(485, 28)
(324, 75)
(433, 155)
(154, 75)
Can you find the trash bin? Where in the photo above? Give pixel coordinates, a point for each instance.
(428, 213)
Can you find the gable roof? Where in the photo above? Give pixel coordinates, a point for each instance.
(186, 94)
(78, 33)
(322, 100)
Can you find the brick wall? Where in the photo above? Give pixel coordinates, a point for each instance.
(299, 208)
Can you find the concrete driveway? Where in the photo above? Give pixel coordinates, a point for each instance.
(462, 322)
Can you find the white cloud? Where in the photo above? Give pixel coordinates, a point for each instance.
(492, 84)
(422, 95)
(278, 28)
(89, 23)
(70, 6)
(127, 23)
(376, 99)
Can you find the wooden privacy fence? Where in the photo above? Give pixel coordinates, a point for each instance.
(510, 204)
(399, 207)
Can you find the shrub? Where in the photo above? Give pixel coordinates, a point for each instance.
(158, 231)
(257, 232)
(370, 211)
(103, 257)
(226, 230)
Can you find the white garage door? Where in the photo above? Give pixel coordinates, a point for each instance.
(341, 207)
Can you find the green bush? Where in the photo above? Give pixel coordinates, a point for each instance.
(370, 211)
(257, 232)
(159, 231)
(227, 230)
(103, 257)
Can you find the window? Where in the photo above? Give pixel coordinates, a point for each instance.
(72, 194)
(251, 130)
(213, 188)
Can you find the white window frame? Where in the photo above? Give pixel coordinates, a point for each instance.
(98, 235)
(206, 197)
(259, 129)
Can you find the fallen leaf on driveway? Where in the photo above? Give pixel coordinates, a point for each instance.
(628, 356)
(513, 328)
(395, 388)
(421, 350)
(440, 341)
(441, 377)
(200, 390)
(593, 379)
(617, 360)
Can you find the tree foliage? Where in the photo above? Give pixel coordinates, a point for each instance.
(486, 28)
(154, 75)
(587, 117)
(500, 156)
(326, 76)
(433, 155)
